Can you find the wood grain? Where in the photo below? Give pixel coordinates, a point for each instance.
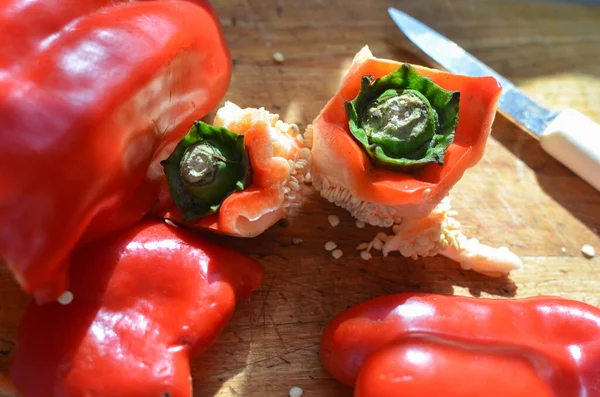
(516, 196)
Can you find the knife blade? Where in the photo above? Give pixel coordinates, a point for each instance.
(569, 136)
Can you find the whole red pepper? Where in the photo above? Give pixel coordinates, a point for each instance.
(145, 301)
(93, 95)
(431, 345)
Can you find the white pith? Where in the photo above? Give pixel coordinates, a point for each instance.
(287, 145)
(442, 237)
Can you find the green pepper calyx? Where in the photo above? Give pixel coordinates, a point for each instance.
(209, 164)
(403, 120)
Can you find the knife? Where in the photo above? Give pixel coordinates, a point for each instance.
(568, 136)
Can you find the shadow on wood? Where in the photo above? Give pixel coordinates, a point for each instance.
(567, 189)
(225, 360)
(276, 336)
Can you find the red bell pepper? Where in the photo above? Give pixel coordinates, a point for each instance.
(381, 187)
(262, 162)
(93, 95)
(145, 301)
(427, 345)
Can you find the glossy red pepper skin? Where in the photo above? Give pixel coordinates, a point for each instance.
(93, 95)
(145, 301)
(424, 344)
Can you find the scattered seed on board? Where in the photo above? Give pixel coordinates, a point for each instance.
(66, 298)
(334, 220)
(381, 236)
(337, 254)
(365, 255)
(377, 244)
(330, 246)
(360, 224)
(588, 251)
(296, 391)
(362, 246)
(278, 57)
(171, 223)
(296, 240)
(370, 246)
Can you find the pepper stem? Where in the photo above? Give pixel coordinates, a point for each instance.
(199, 164)
(209, 164)
(403, 120)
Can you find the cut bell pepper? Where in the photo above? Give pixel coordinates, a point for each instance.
(278, 161)
(343, 172)
(145, 301)
(93, 95)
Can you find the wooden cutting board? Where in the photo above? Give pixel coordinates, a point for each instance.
(516, 196)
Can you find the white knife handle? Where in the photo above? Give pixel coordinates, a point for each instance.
(574, 140)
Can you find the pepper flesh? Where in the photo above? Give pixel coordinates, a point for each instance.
(145, 301)
(338, 158)
(93, 95)
(392, 372)
(425, 344)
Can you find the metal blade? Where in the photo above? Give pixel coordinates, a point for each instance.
(512, 102)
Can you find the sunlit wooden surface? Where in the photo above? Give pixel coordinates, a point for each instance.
(517, 196)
